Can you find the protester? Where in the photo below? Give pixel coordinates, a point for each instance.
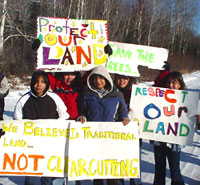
(67, 86)
(4, 90)
(163, 151)
(38, 103)
(160, 80)
(102, 101)
(124, 84)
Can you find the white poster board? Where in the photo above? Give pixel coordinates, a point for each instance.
(127, 57)
(108, 150)
(60, 148)
(71, 44)
(164, 114)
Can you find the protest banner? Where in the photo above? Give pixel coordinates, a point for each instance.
(52, 148)
(108, 150)
(164, 114)
(34, 147)
(71, 44)
(127, 57)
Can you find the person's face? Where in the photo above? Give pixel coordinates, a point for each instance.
(122, 81)
(173, 84)
(68, 78)
(40, 86)
(99, 82)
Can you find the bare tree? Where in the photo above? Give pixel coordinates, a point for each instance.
(2, 26)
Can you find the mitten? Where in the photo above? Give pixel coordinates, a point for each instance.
(108, 50)
(166, 66)
(36, 44)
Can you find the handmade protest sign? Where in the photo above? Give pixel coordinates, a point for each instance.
(164, 114)
(108, 150)
(71, 44)
(47, 147)
(34, 147)
(127, 57)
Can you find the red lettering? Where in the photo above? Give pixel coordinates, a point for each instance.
(170, 100)
(82, 34)
(51, 26)
(22, 157)
(151, 91)
(80, 51)
(35, 162)
(8, 160)
(26, 162)
(64, 44)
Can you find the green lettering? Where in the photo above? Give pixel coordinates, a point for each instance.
(128, 68)
(184, 95)
(181, 130)
(138, 90)
(151, 57)
(118, 53)
(121, 66)
(146, 125)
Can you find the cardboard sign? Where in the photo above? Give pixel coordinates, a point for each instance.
(71, 44)
(164, 114)
(127, 57)
(60, 148)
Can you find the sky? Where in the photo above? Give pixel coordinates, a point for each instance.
(196, 23)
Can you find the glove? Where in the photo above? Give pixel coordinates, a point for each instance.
(108, 50)
(36, 44)
(1, 132)
(166, 66)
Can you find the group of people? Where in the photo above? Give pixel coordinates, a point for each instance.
(94, 96)
(100, 100)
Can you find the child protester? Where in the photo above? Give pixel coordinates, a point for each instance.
(163, 151)
(102, 102)
(38, 103)
(124, 84)
(65, 85)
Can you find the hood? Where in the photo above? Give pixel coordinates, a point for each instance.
(100, 70)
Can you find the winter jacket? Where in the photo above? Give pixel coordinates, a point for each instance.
(48, 106)
(160, 80)
(69, 95)
(4, 90)
(108, 106)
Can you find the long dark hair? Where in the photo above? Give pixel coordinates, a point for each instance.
(35, 77)
(132, 81)
(175, 75)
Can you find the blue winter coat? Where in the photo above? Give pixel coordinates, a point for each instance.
(109, 106)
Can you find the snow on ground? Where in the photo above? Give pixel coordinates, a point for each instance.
(190, 155)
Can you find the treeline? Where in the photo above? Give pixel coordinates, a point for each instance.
(160, 23)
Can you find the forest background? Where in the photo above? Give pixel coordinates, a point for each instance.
(169, 24)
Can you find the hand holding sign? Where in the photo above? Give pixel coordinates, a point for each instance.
(2, 132)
